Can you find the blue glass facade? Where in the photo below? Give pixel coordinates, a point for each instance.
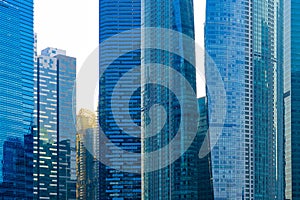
(292, 98)
(268, 98)
(228, 42)
(55, 128)
(16, 98)
(117, 17)
(242, 38)
(205, 185)
(178, 179)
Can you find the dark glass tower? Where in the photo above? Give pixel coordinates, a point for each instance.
(242, 39)
(205, 186)
(16, 98)
(117, 16)
(268, 99)
(164, 176)
(55, 128)
(292, 98)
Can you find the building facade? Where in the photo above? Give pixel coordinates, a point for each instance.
(115, 18)
(55, 127)
(205, 186)
(291, 22)
(242, 38)
(16, 98)
(164, 130)
(87, 169)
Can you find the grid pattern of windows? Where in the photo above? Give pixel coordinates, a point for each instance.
(228, 41)
(16, 98)
(242, 38)
(117, 16)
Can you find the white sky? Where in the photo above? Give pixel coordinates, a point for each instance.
(72, 25)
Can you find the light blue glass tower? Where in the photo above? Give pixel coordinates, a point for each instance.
(55, 126)
(291, 48)
(178, 179)
(242, 39)
(117, 16)
(16, 98)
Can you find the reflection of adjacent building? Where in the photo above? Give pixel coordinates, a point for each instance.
(17, 168)
(16, 98)
(54, 139)
(87, 170)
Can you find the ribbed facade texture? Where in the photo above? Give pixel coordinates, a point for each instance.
(54, 127)
(16, 98)
(115, 102)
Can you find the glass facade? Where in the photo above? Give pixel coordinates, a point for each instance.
(55, 130)
(242, 38)
(228, 39)
(205, 186)
(117, 16)
(16, 98)
(178, 179)
(292, 98)
(87, 170)
(268, 97)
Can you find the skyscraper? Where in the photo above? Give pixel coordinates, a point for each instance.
(117, 17)
(16, 97)
(55, 127)
(87, 170)
(205, 186)
(291, 29)
(241, 37)
(167, 116)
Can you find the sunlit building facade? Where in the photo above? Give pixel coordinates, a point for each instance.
(87, 165)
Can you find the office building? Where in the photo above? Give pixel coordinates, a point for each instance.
(242, 38)
(87, 170)
(167, 128)
(117, 181)
(291, 30)
(16, 98)
(205, 186)
(55, 127)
